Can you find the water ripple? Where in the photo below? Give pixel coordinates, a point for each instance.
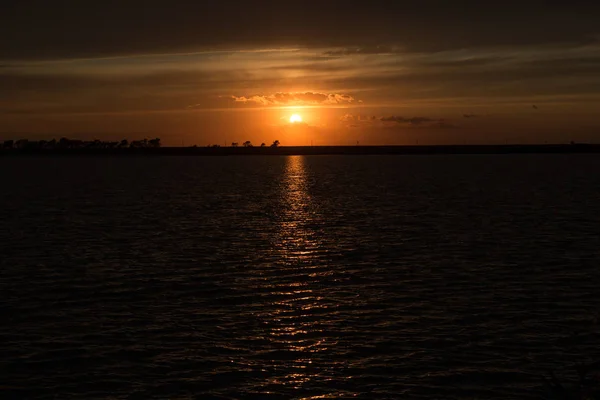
(297, 277)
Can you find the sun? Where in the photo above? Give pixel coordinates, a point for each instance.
(295, 118)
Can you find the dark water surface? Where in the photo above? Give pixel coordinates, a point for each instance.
(297, 277)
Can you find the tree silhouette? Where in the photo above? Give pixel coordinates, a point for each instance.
(234, 144)
(76, 144)
(247, 143)
(275, 144)
(263, 145)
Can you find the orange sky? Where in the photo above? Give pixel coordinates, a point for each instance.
(419, 83)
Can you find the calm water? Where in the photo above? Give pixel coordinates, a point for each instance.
(297, 277)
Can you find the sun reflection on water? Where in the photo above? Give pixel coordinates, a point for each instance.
(296, 329)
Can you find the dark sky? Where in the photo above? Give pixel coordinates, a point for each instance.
(61, 58)
(53, 29)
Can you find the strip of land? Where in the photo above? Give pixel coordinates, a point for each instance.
(311, 150)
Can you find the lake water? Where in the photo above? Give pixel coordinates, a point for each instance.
(379, 277)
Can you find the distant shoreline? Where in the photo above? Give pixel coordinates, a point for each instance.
(312, 150)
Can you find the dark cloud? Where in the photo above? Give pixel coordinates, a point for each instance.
(41, 29)
(411, 121)
(353, 117)
(424, 122)
(356, 121)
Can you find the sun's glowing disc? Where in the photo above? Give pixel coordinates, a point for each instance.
(294, 119)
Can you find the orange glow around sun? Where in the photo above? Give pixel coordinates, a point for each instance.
(295, 118)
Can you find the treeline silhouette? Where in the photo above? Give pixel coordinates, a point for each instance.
(66, 146)
(247, 144)
(65, 143)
